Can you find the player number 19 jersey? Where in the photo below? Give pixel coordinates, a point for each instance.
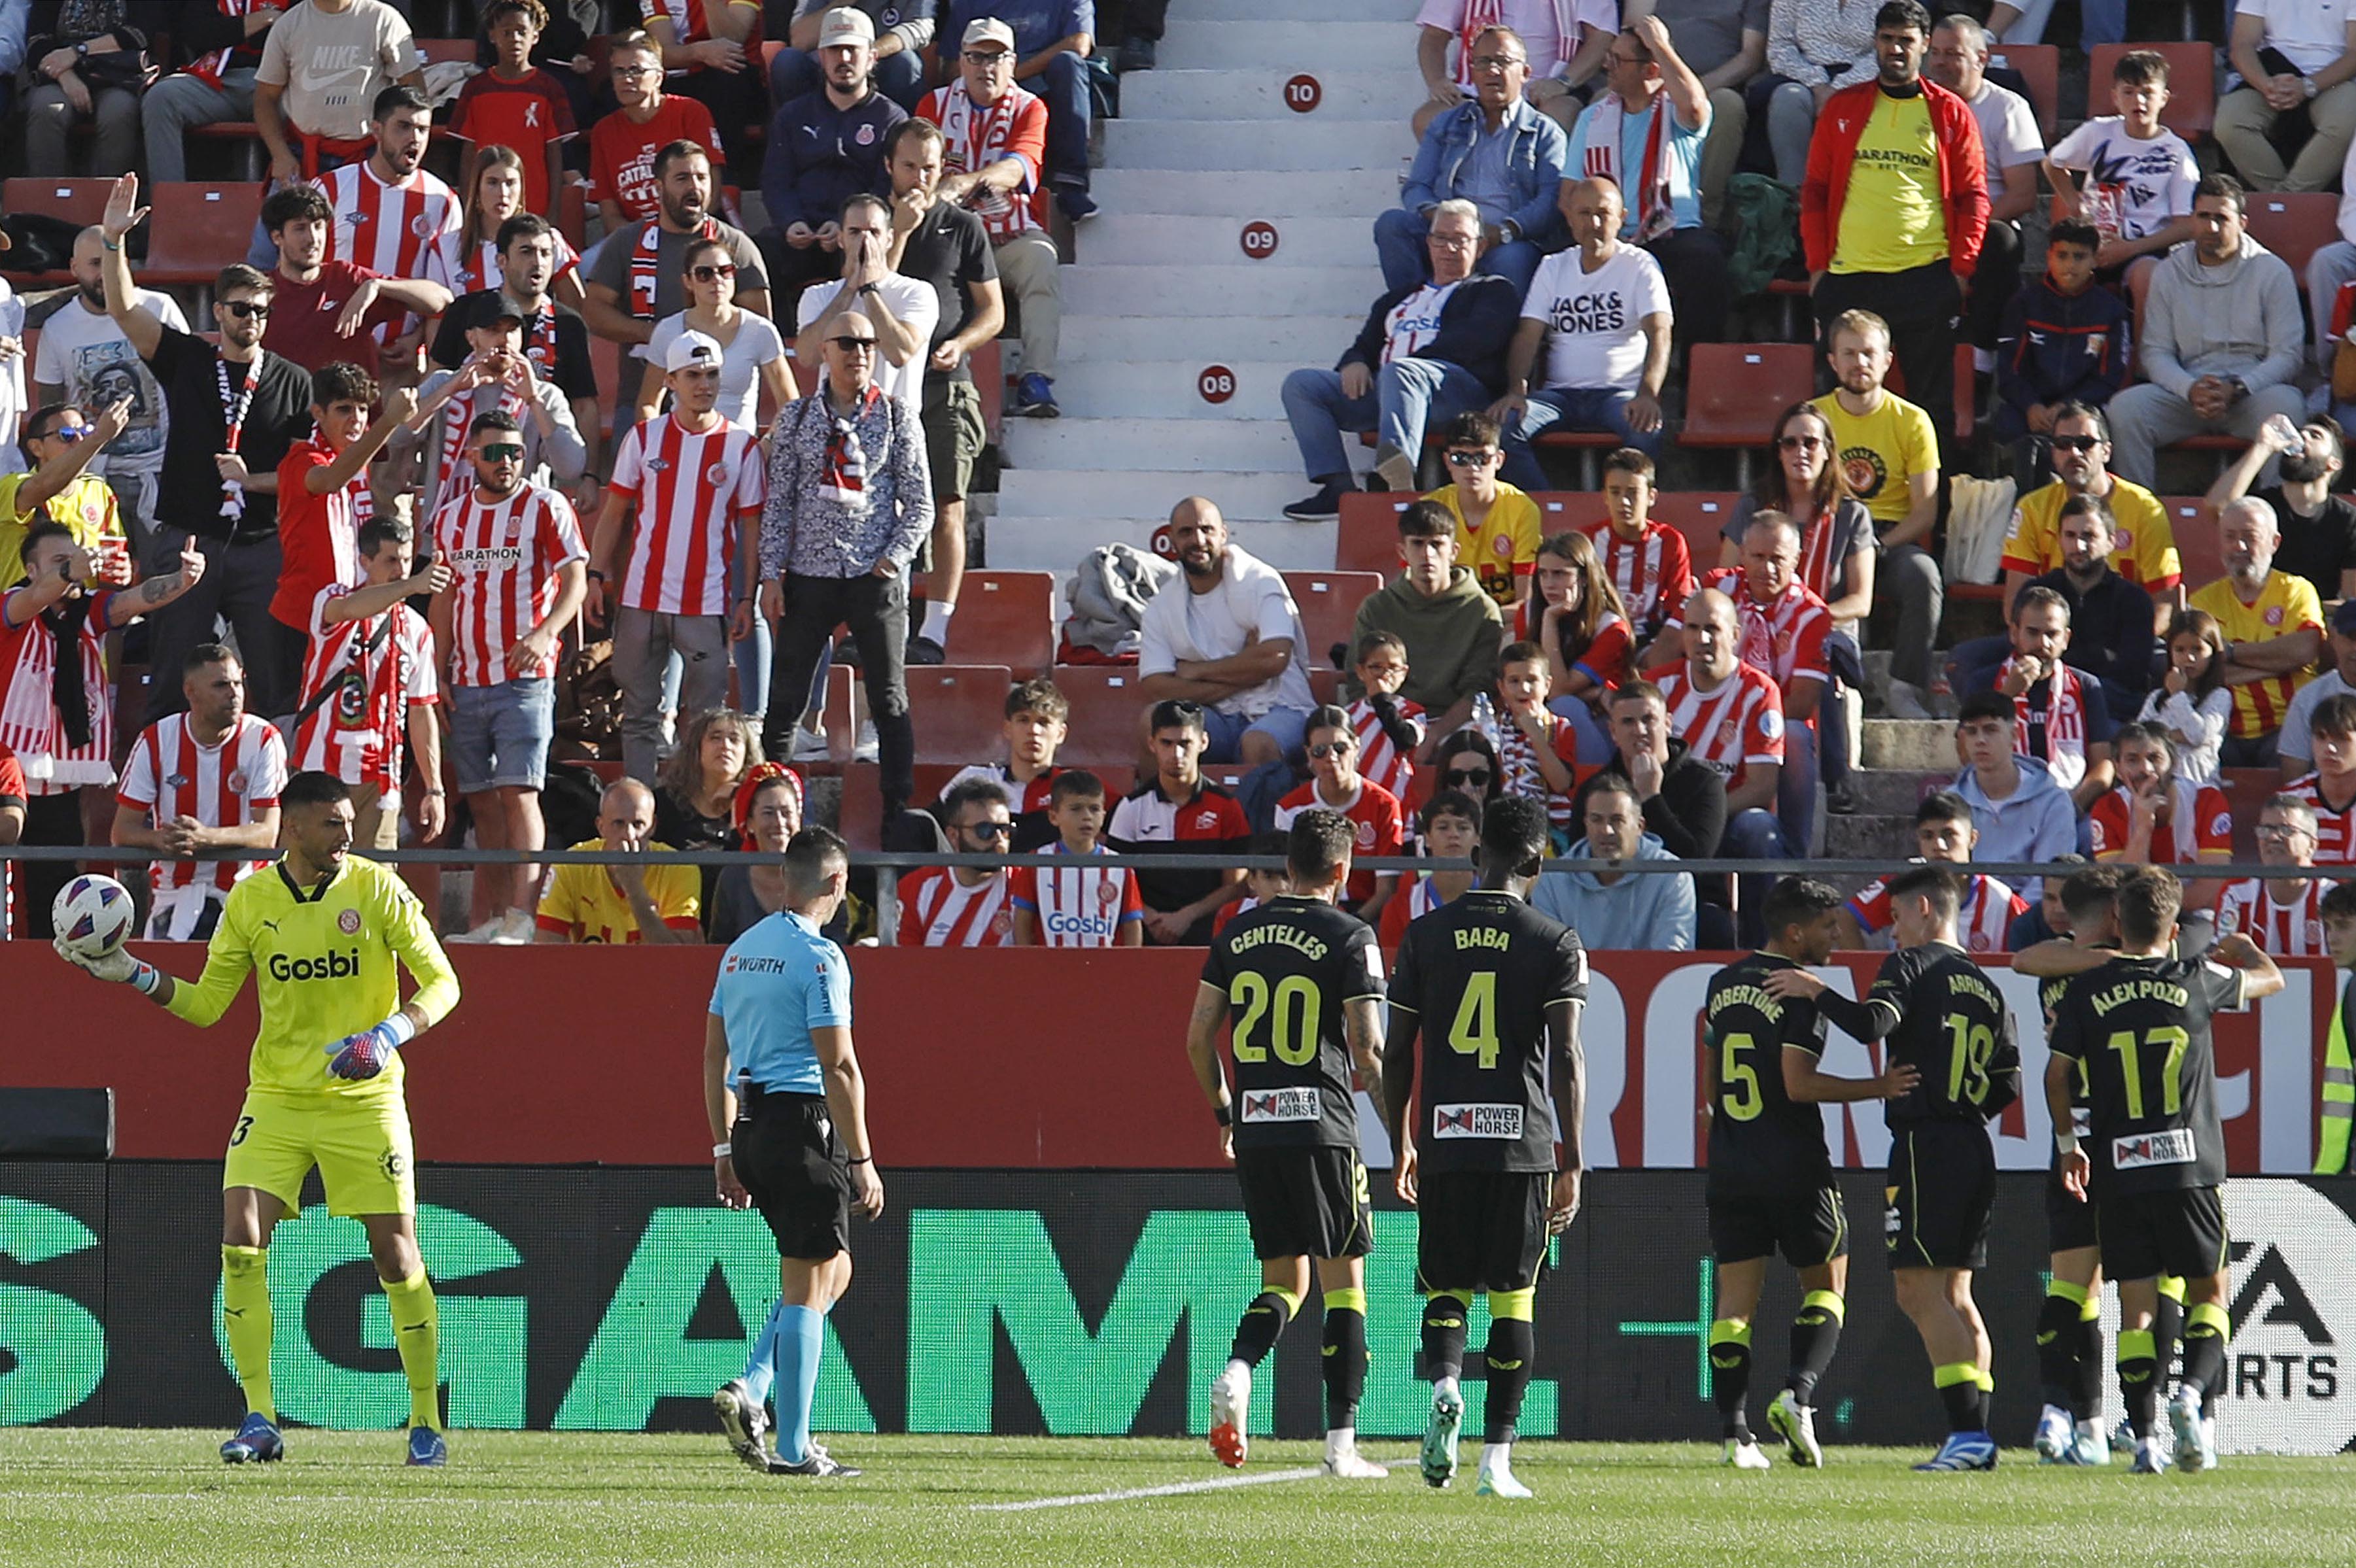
(1289, 968)
(2139, 1030)
(1479, 973)
(1954, 1029)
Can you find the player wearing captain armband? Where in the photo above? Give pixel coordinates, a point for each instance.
(324, 934)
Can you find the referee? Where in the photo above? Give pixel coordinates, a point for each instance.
(789, 1112)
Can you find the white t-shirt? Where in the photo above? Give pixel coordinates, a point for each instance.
(2009, 134)
(2136, 188)
(756, 344)
(2310, 34)
(1251, 598)
(911, 302)
(84, 352)
(1594, 320)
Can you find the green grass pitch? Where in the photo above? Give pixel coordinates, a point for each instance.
(150, 1497)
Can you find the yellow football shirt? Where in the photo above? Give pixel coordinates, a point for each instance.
(1881, 452)
(326, 962)
(1504, 551)
(2288, 603)
(87, 507)
(1891, 220)
(583, 904)
(2144, 553)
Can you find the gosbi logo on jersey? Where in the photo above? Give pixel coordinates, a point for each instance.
(1476, 1121)
(324, 966)
(1059, 923)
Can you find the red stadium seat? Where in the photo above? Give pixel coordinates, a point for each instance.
(1734, 391)
(1328, 602)
(1368, 536)
(956, 709)
(198, 228)
(81, 202)
(2040, 66)
(447, 51)
(2192, 110)
(1009, 618)
(2195, 527)
(2294, 224)
(1699, 514)
(1105, 728)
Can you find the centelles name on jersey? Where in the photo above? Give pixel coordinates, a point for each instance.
(1291, 936)
(326, 967)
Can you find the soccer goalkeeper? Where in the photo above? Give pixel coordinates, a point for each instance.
(321, 933)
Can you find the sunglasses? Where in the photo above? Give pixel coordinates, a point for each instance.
(712, 272)
(1332, 749)
(241, 309)
(990, 829)
(1456, 778)
(503, 452)
(1471, 459)
(854, 345)
(1799, 443)
(2077, 442)
(64, 433)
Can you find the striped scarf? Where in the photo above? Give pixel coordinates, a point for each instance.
(645, 276)
(2065, 724)
(842, 476)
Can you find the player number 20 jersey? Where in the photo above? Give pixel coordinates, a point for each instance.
(1288, 969)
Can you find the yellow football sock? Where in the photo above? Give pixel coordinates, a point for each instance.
(245, 1319)
(417, 1335)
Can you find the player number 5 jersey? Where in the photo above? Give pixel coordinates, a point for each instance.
(1758, 1133)
(1289, 969)
(2139, 1028)
(1479, 973)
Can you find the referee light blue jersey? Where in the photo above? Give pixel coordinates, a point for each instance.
(779, 981)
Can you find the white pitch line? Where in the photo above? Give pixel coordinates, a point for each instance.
(1175, 1488)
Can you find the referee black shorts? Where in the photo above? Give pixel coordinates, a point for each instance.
(788, 1157)
(2180, 1232)
(1480, 1229)
(1941, 1192)
(1808, 1225)
(1306, 1201)
(2069, 1220)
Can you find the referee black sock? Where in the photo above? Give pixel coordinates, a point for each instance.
(2059, 1342)
(1730, 1376)
(1816, 1334)
(1344, 1351)
(1262, 1323)
(2138, 1379)
(1511, 1343)
(2205, 1329)
(1444, 1312)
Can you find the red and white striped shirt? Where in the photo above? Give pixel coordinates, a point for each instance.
(1418, 899)
(689, 491)
(1377, 758)
(30, 727)
(939, 910)
(1989, 909)
(1654, 574)
(2293, 930)
(1730, 727)
(378, 667)
(1786, 638)
(2200, 823)
(171, 774)
(506, 555)
(1021, 798)
(2335, 830)
(1080, 905)
(405, 231)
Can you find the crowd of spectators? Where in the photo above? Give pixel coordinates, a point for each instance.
(620, 446)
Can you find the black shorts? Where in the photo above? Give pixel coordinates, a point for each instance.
(1941, 1192)
(790, 1159)
(954, 435)
(1306, 1201)
(2146, 1234)
(1807, 1224)
(1480, 1229)
(2069, 1221)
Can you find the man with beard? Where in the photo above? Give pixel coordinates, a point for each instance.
(1232, 642)
(2273, 622)
(85, 359)
(2319, 528)
(640, 277)
(2144, 546)
(237, 408)
(825, 147)
(326, 306)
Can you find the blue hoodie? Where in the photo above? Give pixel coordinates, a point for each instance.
(2036, 822)
(1633, 913)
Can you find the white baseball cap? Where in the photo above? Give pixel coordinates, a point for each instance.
(987, 30)
(845, 25)
(690, 351)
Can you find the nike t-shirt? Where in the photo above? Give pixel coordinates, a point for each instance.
(334, 63)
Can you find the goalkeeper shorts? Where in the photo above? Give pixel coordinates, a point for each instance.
(359, 1141)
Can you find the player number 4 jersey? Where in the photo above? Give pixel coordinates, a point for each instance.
(1289, 969)
(2139, 1028)
(1479, 973)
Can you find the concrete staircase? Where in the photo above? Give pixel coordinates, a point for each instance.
(1164, 300)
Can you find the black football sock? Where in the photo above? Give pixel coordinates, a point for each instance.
(2168, 1324)
(1344, 1351)
(1511, 1343)
(2057, 1343)
(1959, 1383)
(2086, 1402)
(1730, 1376)
(2205, 1330)
(1444, 1313)
(1263, 1321)
(1816, 1334)
(2138, 1379)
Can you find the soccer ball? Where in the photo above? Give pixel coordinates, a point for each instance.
(93, 915)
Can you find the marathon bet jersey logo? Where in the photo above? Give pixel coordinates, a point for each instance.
(2291, 1364)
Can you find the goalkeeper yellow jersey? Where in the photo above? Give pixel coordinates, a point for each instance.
(326, 964)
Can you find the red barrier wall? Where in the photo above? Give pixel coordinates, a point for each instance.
(976, 1059)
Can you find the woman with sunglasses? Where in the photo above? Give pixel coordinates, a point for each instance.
(1467, 760)
(494, 195)
(753, 356)
(1803, 480)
